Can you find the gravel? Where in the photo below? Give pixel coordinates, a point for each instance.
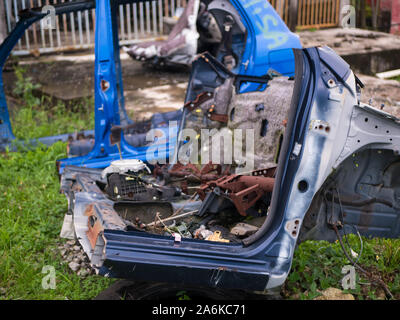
(73, 254)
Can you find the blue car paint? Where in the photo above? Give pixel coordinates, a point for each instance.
(109, 102)
(269, 42)
(267, 46)
(260, 60)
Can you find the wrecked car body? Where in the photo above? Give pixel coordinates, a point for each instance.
(222, 28)
(92, 148)
(139, 213)
(329, 139)
(179, 48)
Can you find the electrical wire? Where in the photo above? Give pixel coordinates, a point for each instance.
(352, 225)
(374, 279)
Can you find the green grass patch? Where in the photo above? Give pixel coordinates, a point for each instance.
(396, 78)
(317, 265)
(31, 206)
(37, 115)
(31, 216)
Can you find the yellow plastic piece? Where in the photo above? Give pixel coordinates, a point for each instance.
(216, 236)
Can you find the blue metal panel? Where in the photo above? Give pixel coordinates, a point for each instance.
(267, 46)
(269, 42)
(109, 102)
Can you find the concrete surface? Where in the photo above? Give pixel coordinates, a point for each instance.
(378, 91)
(70, 76)
(350, 40)
(367, 52)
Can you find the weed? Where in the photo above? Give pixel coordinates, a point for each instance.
(38, 117)
(317, 266)
(31, 207)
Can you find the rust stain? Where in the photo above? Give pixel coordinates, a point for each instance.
(94, 225)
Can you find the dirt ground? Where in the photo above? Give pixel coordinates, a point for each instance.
(377, 92)
(70, 77)
(348, 41)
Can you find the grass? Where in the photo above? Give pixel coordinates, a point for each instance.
(317, 266)
(40, 116)
(32, 210)
(396, 78)
(31, 215)
(31, 207)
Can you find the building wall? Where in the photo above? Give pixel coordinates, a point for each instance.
(395, 17)
(391, 8)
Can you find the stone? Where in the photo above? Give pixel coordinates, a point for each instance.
(202, 233)
(73, 266)
(334, 294)
(243, 229)
(76, 260)
(80, 256)
(295, 296)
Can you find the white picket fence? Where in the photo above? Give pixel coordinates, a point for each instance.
(137, 22)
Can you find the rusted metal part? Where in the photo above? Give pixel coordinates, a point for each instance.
(200, 99)
(216, 117)
(210, 167)
(94, 225)
(101, 216)
(246, 198)
(184, 186)
(191, 172)
(180, 170)
(243, 191)
(97, 207)
(266, 184)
